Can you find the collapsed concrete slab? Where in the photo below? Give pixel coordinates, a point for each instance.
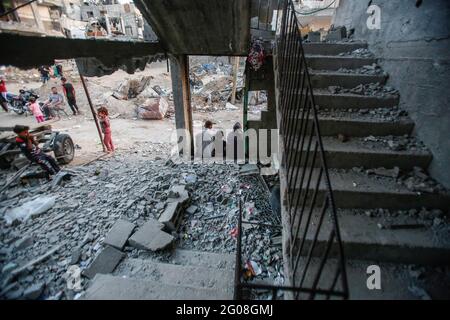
(151, 237)
(105, 262)
(172, 214)
(118, 236)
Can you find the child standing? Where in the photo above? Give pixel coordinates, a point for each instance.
(106, 128)
(30, 149)
(36, 110)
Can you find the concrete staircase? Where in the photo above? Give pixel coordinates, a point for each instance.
(382, 221)
(187, 275)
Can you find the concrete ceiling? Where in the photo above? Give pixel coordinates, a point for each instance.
(96, 57)
(200, 27)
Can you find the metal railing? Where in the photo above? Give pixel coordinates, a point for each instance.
(316, 263)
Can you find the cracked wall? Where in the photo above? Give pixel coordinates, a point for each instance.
(414, 46)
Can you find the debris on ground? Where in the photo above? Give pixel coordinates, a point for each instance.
(370, 89)
(131, 88)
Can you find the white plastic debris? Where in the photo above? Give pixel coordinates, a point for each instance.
(29, 209)
(230, 106)
(254, 268)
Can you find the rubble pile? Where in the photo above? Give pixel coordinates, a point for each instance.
(135, 97)
(212, 84)
(131, 88)
(127, 206)
(385, 114)
(417, 180)
(370, 89)
(435, 219)
(262, 254)
(373, 69)
(358, 53)
(13, 74)
(395, 143)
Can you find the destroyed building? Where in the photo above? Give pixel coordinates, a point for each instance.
(355, 180)
(37, 19)
(115, 18)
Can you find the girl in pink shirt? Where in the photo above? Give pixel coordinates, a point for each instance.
(36, 110)
(106, 128)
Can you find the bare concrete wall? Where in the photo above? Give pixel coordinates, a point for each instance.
(414, 43)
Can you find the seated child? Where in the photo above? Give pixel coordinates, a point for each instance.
(30, 149)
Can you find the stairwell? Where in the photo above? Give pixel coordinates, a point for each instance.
(183, 275)
(390, 213)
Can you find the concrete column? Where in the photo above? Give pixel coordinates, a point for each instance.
(37, 16)
(108, 25)
(179, 69)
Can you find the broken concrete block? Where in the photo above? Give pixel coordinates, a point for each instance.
(337, 34)
(192, 209)
(33, 292)
(314, 36)
(105, 262)
(151, 237)
(118, 236)
(75, 257)
(23, 243)
(169, 214)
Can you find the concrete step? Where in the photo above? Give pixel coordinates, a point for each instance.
(331, 49)
(325, 99)
(333, 63)
(344, 80)
(381, 237)
(358, 153)
(108, 287)
(357, 125)
(203, 259)
(359, 190)
(177, 274)
(397, 282)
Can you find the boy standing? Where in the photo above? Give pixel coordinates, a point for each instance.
(69, 92)
(31, 150)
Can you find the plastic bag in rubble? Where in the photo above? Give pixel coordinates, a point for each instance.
(29, 209)
(153, 109)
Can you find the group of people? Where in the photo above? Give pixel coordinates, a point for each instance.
(55, 71)
(52, 106)
(211, 144)
(55, 102)
(30, 147)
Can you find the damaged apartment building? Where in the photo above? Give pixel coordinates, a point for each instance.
(357, 104)
(114, 19)
(76, 19)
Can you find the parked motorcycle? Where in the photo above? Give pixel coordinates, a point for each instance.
(19, 103)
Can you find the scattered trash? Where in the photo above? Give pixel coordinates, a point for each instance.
(29, 209)
(253, 268)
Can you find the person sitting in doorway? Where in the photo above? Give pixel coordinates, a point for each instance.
(204, 141)
(235, 143)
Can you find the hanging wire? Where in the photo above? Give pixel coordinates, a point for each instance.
(315, 11)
